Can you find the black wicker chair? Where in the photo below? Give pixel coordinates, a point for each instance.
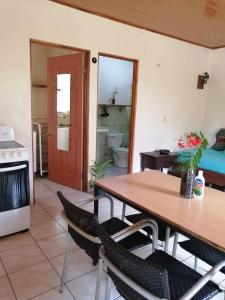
(81, 229)
(164, 231)
(203, 251)
(159, 276)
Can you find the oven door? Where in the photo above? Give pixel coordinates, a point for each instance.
(14, 185)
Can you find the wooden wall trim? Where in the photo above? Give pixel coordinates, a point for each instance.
(128, 23)
(133, 104)
(85, 102)
(133, 115)
(56, 45)
(218, 47)
(86, 121)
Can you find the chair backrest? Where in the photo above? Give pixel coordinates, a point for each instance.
(80, 217)
(85, 221)
(149, 276)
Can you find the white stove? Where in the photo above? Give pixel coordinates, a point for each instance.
(14, 184)
(11, 151)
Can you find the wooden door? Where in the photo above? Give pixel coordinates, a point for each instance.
(65, 119)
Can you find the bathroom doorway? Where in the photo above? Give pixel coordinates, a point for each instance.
(117, 82)
(59, 98)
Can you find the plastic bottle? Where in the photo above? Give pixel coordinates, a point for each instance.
(199, 185)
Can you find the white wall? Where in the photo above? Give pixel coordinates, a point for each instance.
(115, 74)
(215, 107)
(168, 102)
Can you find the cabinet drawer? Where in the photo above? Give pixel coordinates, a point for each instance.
(166, 162)
(148, 162)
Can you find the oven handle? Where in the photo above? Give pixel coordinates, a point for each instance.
(13, 168)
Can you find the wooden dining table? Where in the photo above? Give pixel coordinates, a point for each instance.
(157, 194)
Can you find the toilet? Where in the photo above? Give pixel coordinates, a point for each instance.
(120, 154)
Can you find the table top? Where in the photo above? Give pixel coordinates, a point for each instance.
(158, 194)
(158, 154)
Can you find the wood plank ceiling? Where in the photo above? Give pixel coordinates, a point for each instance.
(200, 22)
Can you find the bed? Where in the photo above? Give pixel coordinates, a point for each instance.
(213, 161)
(213, 165)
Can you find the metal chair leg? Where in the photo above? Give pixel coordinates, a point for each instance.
(108, 288)
(123, 211)
(196, 263)
(66, 262)
(175, 244)
(167, 239)
(99, 279)
(162, 244)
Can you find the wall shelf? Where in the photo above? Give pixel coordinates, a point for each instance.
(106, 107)
(115, 105)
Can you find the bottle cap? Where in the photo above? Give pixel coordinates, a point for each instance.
(200, 173)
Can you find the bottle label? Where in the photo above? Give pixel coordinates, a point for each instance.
(198, 189)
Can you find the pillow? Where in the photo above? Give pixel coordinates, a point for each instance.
(220, 141)
(218, 147)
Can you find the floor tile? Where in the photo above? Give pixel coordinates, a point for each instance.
(55, 245)
(55, 211)
(39, 216)
(41, 191)
(55, 186)
(21, 257)
(76, 196)
(83, 288)
(144, 252)
(222, 284)
(54, 294)
(41, 231)
(2, 270)
(220, 296)
(34, 280)
(47, 202)
(16, 240)
(80, 264)
(35, 207)
(60, 220)
(6, 292)
(181, 253)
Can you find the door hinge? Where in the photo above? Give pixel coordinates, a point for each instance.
(84, 70)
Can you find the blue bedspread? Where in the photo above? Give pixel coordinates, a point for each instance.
(212, 160)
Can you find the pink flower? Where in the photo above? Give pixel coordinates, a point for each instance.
(189, 140)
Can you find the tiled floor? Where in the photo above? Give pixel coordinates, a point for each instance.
(112, 170)
(31, 262)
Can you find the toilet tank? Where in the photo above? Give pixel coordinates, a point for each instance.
(114, 140)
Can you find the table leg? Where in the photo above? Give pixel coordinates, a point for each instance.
(123, 211)
(96, 204)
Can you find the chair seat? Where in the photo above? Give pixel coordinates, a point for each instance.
(161, 225)
(111, 226)
(203, 251)
(181, 277)
(131, 243)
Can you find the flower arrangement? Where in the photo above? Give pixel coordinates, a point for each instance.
(194, 144)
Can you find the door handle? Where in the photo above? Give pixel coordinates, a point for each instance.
(49, 134)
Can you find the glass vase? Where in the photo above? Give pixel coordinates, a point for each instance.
(187, 184)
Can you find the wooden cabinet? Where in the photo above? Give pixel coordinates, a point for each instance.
(155, 160)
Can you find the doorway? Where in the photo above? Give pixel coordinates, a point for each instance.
(117, 83)
(59, 76)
